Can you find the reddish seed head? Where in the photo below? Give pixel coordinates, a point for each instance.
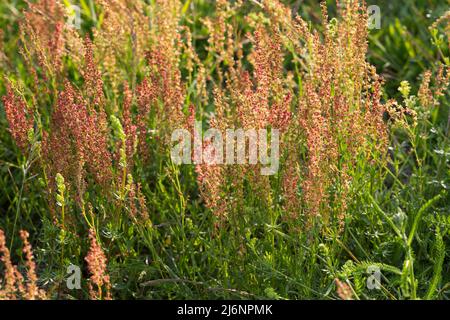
(19, 117)
(99, 282)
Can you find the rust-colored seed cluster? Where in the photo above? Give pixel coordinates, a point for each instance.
(124, 25)
(129, 127)
(46, 38)
(340, 93)
(78, 141)
(340, 111)
(42, 32)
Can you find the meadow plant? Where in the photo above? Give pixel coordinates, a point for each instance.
(360, 179)
(15, 285)
(99, 282)
(336, 112)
